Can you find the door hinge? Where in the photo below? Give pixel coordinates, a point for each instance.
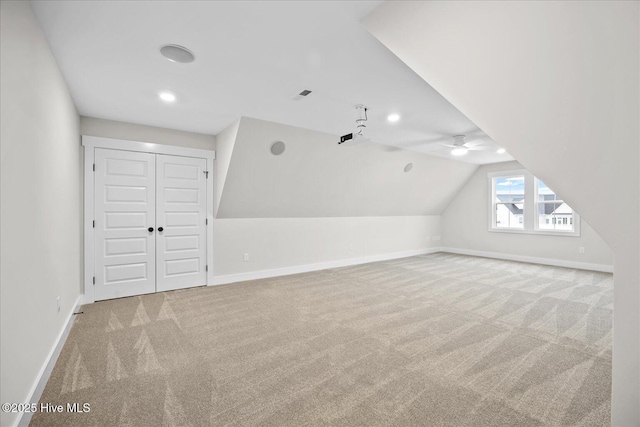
(206, 174)
(94, 167)
(94, 280)
(206, 221)
(206, 268)
(94, 223)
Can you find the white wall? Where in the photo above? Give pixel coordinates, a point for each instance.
(281, 243)
(465, 227)
(276, 243)
(41, 189)
(135, 132)
(319, 204)
(556, 84)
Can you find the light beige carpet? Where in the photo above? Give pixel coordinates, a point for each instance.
(433, 340)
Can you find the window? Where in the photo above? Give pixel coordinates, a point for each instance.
(522, 203)
(551, 207)
(508, 202)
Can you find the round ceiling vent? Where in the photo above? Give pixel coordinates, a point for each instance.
(277, 148)
(408, 167)
(176, 53)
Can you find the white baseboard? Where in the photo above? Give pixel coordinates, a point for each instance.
(43, 376)
(285, 271)
(87, 299)
(533, 260)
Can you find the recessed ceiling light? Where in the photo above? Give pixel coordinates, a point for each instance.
(393, 117)
(176, 53)
(167, 96)
(501, 151)
(459, 151)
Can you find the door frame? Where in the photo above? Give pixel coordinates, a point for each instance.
(90, 143)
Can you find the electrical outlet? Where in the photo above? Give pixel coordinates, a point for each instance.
(58, 304)
(245, 258)
(351, 246)
(581, 249)
(435, 238)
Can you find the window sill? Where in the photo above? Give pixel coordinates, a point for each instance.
(574, 233)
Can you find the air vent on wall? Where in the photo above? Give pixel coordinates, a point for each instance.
(301, 95)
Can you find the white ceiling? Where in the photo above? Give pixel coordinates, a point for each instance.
(251, 59)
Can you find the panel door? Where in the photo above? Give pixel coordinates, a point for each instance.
(181, 214)
(124, 210)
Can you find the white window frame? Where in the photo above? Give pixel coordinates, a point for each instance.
(530, 210)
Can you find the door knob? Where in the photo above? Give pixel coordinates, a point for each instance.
(150, 229)
(160, 229)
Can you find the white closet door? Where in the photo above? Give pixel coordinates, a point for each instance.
(181, 213)
(124, 211)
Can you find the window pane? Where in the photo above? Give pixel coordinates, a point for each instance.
(509, 215)
(545, 193)
(510, 189)
(509, 202)
(555, 216)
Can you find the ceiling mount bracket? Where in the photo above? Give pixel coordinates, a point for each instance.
(357, 136)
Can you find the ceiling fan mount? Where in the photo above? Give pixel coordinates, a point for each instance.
(357, 136)
(458, 140)
(459, 146)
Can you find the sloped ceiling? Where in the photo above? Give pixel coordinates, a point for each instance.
(562, 101)
(315, 177)
(252, 58)
(225, 141)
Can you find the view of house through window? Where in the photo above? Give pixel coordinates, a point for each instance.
(509, 202)
(520, 202)
(553, 213)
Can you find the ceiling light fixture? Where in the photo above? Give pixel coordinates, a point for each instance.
(167, 96)
(501, 151)
(459, 151)
(177, 53)
(393, 117)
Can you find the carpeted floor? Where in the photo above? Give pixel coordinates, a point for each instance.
(433, 340)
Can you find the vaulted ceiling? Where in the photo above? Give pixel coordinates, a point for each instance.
(252, 58)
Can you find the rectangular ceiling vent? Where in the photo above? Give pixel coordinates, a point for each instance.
(301, 95)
